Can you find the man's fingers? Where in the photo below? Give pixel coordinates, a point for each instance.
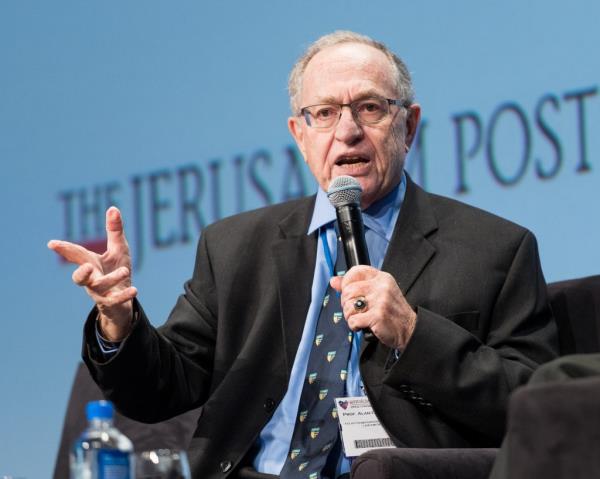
(99, 286)
(103, 283)
(360, 321)
(351, 291)
(115, 235)
(336, 283)
(114, 298)
(72, 252)
(82, 275)
(359, 273)
(353, 275)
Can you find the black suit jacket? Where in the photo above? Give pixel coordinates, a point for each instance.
(483, 325)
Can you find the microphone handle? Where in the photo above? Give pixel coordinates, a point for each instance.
(352, 233)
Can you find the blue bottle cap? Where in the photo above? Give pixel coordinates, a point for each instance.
(99, 410)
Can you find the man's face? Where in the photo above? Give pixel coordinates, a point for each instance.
(373, 154)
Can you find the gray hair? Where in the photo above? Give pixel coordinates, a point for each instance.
(403, 81)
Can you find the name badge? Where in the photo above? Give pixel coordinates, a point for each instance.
(360, 429)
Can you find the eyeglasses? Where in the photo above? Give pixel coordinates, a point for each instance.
(365, 112)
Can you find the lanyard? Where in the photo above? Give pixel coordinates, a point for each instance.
(327, 252)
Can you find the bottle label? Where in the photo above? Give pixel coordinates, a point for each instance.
(113, 464)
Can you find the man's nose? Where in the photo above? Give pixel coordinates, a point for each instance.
(348, 130)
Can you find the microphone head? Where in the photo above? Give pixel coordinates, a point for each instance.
(344, 190)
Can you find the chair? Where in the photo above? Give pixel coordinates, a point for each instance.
(576, 306)
(553, 423)
(403, 463)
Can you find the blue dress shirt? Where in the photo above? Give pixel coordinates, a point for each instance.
(379, 219)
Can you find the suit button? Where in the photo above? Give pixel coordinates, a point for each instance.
(269, 405)
(225, 466)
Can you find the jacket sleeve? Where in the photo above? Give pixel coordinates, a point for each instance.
(463, 376)
(159, 373)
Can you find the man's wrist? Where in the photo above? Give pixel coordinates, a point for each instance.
(115, 332)
(110, 346)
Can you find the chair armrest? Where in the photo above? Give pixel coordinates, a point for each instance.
(403, 463)
(553, 431)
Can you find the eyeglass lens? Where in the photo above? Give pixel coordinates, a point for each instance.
(366, 111)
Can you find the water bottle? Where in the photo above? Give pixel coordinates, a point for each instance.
(101, 452)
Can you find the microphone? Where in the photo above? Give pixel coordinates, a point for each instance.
(344, 194)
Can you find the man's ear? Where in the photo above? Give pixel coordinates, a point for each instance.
(297, 131)
(412, 122)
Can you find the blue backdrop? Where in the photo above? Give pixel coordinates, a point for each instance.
(176, 112)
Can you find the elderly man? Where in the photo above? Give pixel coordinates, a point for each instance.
(455, 298)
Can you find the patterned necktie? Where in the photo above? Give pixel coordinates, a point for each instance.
(316, 429)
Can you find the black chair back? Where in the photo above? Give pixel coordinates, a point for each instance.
(576, 307)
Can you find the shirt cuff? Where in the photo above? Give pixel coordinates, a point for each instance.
(108, 348)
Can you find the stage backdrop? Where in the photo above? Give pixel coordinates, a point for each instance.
(176, 112)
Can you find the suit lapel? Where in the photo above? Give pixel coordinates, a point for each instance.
(410, 251)
(294, 254)
(406, 258)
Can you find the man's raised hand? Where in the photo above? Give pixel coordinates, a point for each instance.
(106, 277)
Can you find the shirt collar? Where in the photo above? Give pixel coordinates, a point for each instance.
(380, 216)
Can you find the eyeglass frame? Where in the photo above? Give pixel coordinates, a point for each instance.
(390, 101)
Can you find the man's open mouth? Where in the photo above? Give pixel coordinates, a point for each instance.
(351, 160)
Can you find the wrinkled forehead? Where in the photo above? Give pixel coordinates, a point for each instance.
(348, 72)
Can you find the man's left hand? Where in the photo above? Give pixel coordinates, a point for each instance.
(386, 313)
